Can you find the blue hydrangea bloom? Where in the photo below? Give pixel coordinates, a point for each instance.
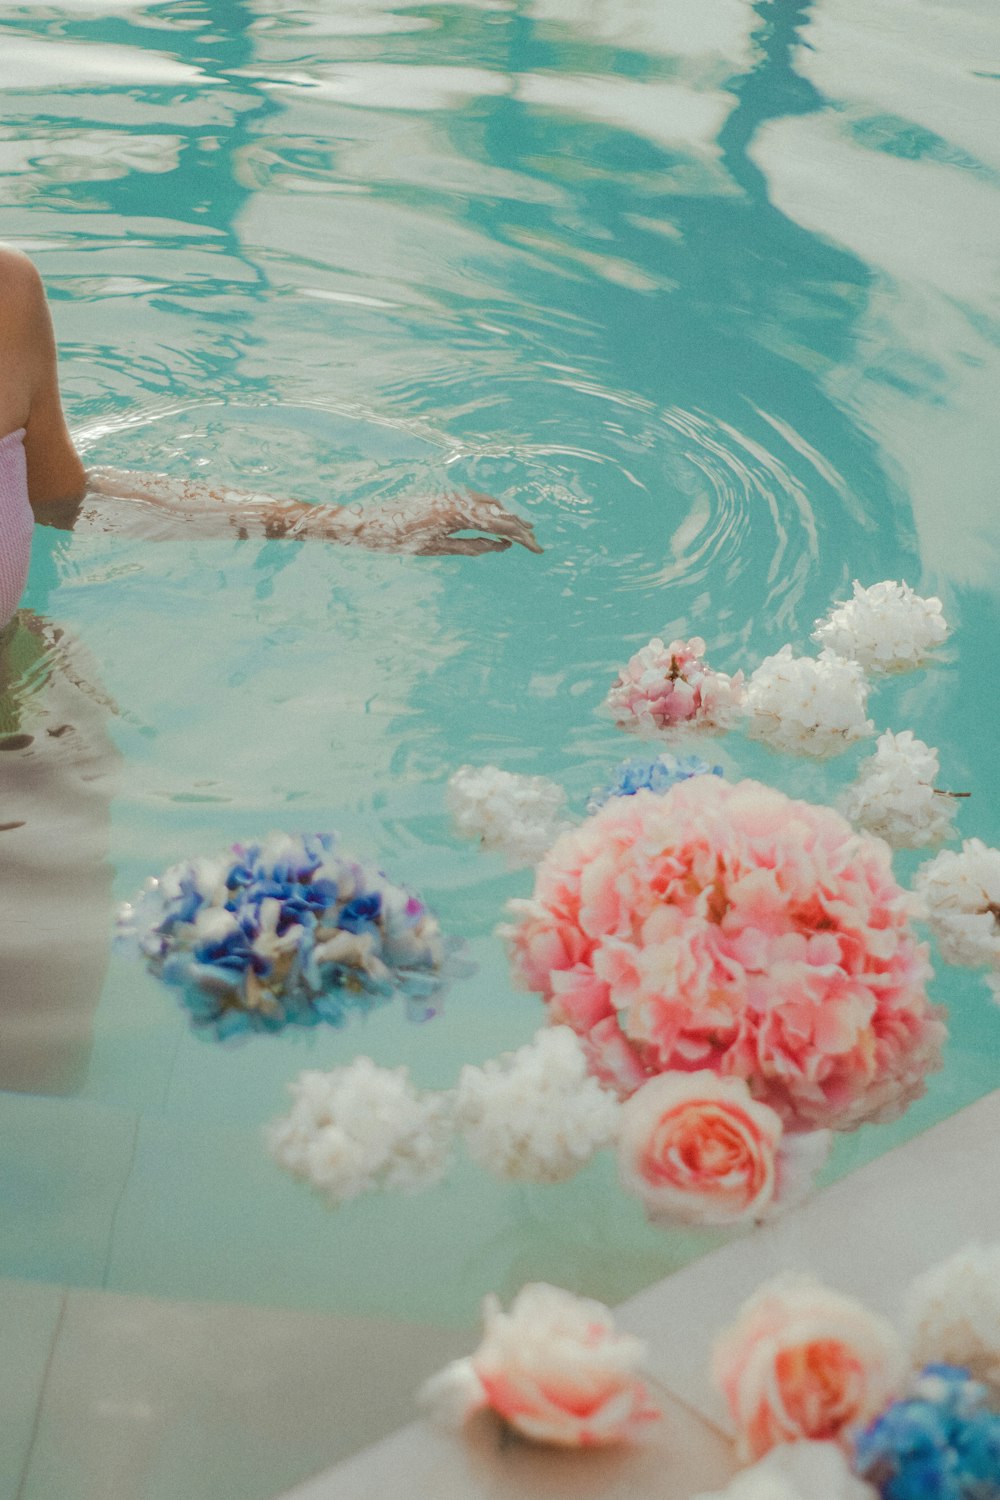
(940, 1443)
(288, 932)
(656, 774)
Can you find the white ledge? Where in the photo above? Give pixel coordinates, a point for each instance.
(868, 1235)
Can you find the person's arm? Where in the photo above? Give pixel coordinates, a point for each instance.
(422, 524)
(28, 348)
(63, 493)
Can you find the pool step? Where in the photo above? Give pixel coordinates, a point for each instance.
(868, 1235)
(110, 1395)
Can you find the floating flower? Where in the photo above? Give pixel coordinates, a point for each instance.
(802, 1361)
(886, 628)
(797, 1471)
(554, 1368)
(519, 815)
(697, 1149)
(536, 1115)
(953, 1314)
(940, 1443)
(668, 687)
(808, 705)
(360, 1128)
(960, 891)
(658, 774)
(729, 927)
(894, 796)
(289, 930)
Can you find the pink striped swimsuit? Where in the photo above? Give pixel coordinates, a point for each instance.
(16, 524)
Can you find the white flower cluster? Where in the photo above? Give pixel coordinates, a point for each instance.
(808, 705)
(894, 797)
(536, 1115)
(360, 1128)
(797, 1471)
(953, 1314)
(885, 628)
(519, 815)
(960, 891)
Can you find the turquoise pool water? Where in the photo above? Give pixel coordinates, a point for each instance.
(708, 292)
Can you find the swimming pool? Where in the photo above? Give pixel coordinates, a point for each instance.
(713, 308)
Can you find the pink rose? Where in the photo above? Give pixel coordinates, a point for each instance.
(697, 1149)
(554, 1368)
(802, 1361)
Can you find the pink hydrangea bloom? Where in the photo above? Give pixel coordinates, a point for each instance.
(663, 687)
(729, 927)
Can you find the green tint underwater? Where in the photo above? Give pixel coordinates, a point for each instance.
(708, 292)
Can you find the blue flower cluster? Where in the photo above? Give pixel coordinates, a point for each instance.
(289, 931)
(658, 774)
(940, 1443)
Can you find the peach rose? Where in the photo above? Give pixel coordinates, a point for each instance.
(697, 1149)
(554, 1368)
(802, 1361)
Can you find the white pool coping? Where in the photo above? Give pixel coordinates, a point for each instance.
(867, 1235)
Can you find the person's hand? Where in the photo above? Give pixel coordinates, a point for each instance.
(430, 525)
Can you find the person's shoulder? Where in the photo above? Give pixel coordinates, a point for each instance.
(16, 264)
(20, 284)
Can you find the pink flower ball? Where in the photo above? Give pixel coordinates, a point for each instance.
(698, 1150)
(731, 928)
(662, 687)
(803, 1362)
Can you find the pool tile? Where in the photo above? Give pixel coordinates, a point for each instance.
(63, 1166)
(29, 1317)
(207, 1214)
(683, 1456)
(150, 1399)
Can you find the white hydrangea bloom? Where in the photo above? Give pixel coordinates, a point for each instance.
(360, 1128)
(797, 1471)
(519, 815)
(886, 628)
(953, 1314)
(206, 875)
(536, 1115)
(808, 705)
(960, 891)
(893, 795)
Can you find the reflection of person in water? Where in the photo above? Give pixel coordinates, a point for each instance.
(57, 766)
(40, 466)
(56, 759)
